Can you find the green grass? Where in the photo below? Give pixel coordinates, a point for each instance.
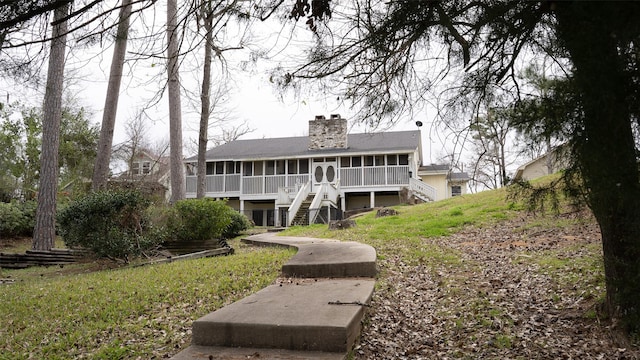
(404, 234)
(147, 312)
(125, 313)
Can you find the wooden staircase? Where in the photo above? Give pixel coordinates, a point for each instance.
(302, 216)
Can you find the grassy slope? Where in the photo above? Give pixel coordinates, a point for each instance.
(402, 235)
(148, 311)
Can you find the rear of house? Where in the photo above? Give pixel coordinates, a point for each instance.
(315, 178)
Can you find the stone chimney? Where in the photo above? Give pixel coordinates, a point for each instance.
(328, 133)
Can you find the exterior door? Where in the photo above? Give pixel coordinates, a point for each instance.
(324, 171)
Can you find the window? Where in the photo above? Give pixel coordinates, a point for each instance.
(219, 167)
(146, 167)
(248, 169)
(403, 159)
(280, 167)
(368, 161)
(135, 168)
(379, 160)
(356, 161)
(211, 168)
(304, 166)
(271, 167)
(345, 162)
(292, 167)
(257, 168)
(456, 190)
(392, 159)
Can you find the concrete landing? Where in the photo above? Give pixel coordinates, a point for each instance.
(316, 316)
(321, 315)
(318, 258)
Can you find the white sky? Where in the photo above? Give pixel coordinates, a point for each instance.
(252, 98)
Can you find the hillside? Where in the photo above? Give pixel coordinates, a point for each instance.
(471, 277)
(476, 277)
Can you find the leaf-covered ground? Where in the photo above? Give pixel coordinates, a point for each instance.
(518, 289)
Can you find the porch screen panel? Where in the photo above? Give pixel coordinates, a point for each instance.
(351, 177)
(215, 183)
(293, 180)
(191, 184)
(374, 175)
(252, 185)
(397, 175)
(232, 183)
(272, 183)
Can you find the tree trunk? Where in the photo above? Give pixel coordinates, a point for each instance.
(175, 116)
(103, 157)
(608, 158)
(205, 97)
(44, 233)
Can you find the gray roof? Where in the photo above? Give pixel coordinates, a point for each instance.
(461, 176)
(434, 167)
(382, 142)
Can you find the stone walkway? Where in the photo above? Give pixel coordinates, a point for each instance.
(317, 317)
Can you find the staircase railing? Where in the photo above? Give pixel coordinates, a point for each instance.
(302, 194)
(422, 188)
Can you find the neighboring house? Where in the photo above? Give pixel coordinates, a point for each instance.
(446, 183)
(148, 172)
(307, 179)
(547, 164)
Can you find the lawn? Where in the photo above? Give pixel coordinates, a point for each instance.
(147, 312)
(126, 313)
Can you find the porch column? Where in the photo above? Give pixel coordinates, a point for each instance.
(343, 202)
(372, 200)
(241, 206)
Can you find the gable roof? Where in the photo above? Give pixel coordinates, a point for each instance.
(254, 149)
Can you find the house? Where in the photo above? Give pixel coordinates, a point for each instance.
(314, 178)
(446, 183)
(147, 172)
(550, 163)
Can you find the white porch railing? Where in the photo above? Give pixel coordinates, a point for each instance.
(374, 176)
(269, 184)
(297, 201)
(215, 183)
(422, 188)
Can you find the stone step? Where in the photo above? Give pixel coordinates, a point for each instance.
(310, 315)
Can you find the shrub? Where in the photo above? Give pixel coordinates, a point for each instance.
(239, 223)
(17, 218)
(199, 219)
(112, 224)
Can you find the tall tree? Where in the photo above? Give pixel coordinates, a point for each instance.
(205, 97)
(44, 233)
(101, 169)
(490, 134)
(175, 116)
(382, 54)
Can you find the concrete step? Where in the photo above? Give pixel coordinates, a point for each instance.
(309, 315)
(197, 352)
(322, 258)
(316, 314)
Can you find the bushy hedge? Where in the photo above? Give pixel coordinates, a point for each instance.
(239, 223)
(112, 224)
(17, 218)
(199, 219)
